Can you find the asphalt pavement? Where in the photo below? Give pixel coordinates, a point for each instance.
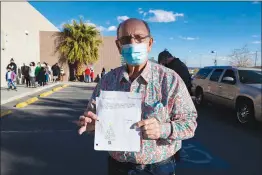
(41, 139)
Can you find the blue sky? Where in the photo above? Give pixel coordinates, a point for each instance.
(189, 30)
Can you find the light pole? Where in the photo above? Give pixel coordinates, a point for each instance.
(256, 59)
(215, 60)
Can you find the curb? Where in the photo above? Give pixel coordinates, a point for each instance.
(29, 93)
(31, 100)
(57, 89)
(46, 94)
(21, 105)
(34, 99)
(6, 113)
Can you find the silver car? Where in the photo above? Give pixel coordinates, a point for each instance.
(236, 88)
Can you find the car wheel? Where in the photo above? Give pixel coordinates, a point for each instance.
(244, 111)
(199, 98)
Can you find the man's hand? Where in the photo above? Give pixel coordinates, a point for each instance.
(150, 128)
(86, 122)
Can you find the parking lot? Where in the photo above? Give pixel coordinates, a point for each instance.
(41, 139)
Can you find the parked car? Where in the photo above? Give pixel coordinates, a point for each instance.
(236, 88)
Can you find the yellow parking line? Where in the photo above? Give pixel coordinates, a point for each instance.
(5, 113)
(31, 100)
(65, 85)
(21, 105)
(57, 89)
(46, 94)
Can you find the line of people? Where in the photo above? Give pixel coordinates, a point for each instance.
(32, 75)
(40, 74)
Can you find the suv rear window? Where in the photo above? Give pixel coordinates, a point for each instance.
(203, 73)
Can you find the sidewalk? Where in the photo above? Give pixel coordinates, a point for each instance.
(22, 91)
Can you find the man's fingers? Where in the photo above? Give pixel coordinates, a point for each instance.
(149, 127)
(90, 115)
(148, 136)
(150, 132)
(146, 122)
(82, 130)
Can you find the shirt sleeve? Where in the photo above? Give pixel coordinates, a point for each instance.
(182, 113)
(92, 102)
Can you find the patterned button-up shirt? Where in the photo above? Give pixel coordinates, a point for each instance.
(164, 96)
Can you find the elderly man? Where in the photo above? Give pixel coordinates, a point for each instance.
(164, 96)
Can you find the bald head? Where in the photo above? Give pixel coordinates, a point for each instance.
(133, 31)
(135, 24)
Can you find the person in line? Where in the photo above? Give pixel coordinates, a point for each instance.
(42, 76)
(103, 72)
(27, 76)
(165, 58)
(12, 66)
(37, 70)
(56, 72)
(50, 73)
(87, 75)
(10, 77)
(62, 74)
(92, 75)
(23, 73)
(176, 113)
(32, 74)
(45, 65)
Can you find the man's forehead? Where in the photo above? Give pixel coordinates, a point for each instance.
(132, 27)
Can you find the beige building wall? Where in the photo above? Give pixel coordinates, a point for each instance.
(20, 27)
(109, 57)
(47, 51)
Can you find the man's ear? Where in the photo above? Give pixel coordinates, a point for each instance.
(118, 46)
(151, 41)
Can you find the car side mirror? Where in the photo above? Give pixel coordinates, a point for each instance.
(229, 79)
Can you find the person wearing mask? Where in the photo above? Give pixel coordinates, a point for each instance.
(10, 77)
(176, 113)
(165, 58)
(32, 74)
(56, 72)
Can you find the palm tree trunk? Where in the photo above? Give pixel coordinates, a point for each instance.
(79, 71)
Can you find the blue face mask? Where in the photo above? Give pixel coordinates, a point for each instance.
(135, 54)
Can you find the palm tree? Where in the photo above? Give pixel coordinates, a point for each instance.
(78, 44)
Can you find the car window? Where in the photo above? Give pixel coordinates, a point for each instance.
(229, 73)
(216, 75)
(250, 76)
(203, 73)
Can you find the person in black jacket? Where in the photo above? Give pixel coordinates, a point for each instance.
(42, 76)
(12, 66)
(168, 60)
(56, 72)
(25, 72)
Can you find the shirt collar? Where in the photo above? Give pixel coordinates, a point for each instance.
(145, 73)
